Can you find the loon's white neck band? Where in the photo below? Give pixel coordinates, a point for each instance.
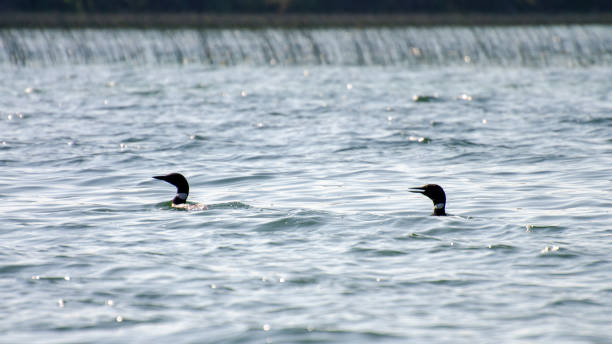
(182, 196)
(439, 206)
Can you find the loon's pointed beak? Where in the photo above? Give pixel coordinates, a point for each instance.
(160, 177)
(420, 190)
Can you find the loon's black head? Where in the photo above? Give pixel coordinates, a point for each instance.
(436, 194)
(182, 187)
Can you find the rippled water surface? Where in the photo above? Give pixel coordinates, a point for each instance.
(311, 234)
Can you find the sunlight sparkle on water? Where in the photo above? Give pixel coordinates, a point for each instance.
(10, 115)
(417, 139)
(549, 249)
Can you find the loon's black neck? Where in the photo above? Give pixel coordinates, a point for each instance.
(439, 209)
(180, 198)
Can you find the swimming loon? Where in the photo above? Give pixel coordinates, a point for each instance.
(182, 187)
(436, 194)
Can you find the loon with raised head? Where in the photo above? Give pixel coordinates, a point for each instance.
(182, 187)
(436, 194)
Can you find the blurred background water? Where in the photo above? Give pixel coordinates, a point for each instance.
(562, 46)
(304, 143)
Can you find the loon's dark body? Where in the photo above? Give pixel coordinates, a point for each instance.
(182, 187)
(437, 196)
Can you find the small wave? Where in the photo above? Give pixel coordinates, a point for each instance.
(145, 92)
(423, 98)
(97, 181)
(544, 228)
(452, 282)
(417, 236)
(304, 219)
(588, 120)
(338, 335)
(229, 205)
(14, 268)
(403, 141)
(351, 148)
(264, 157)
(502, 247)
(463, 143)
(445, 228)
(301, 281)
(233, 180)
(377, 252)
(573, 303)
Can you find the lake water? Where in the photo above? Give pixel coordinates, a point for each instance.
(304, 147)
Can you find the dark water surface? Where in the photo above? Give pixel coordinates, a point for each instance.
(311, 234)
